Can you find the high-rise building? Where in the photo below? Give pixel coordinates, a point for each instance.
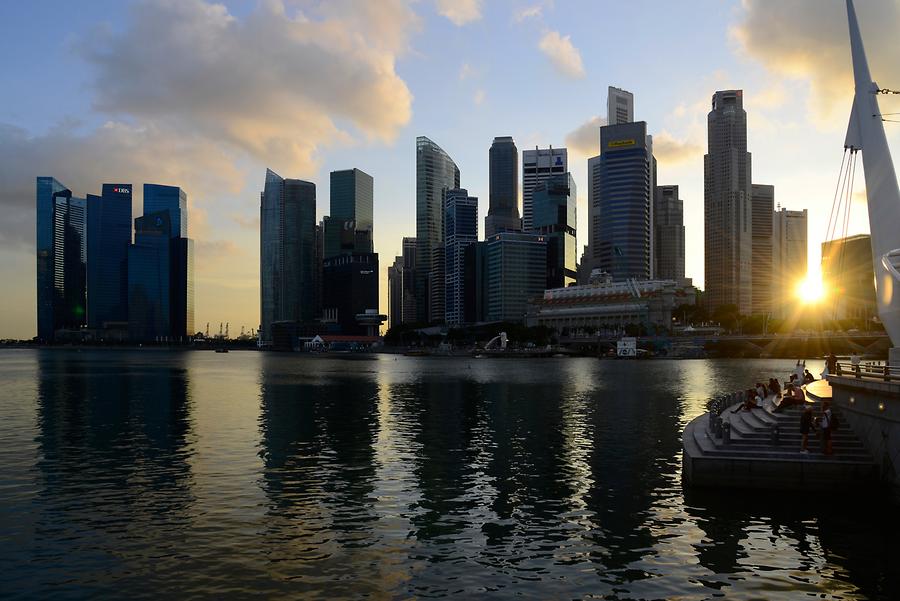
(61, 259)
(503, 212)
(538, 165)
(849, 277)
(762, 205)
(460, 231)
(668, 224)
(349, 227)
(395, 292)
(287, 252)
(619, 106)
(161, 269)
(350, 289)
(622, 182)
(435, 174)
(402, 292)
(789, 257)
(554, 203)
(515, 265)
(108, 238)
(475, 283)
(728, 227)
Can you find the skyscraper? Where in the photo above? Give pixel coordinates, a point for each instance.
(849, 277)
(460, 230)
(109, 235)
(554, 203)
(762, 205)
(503, 212)
(408, 314)
(435, 174)
(538, 165)
(515, 272)
(668, 224)
(51, 313)
(728, 228)
(619, 106)
(171, 199)
(287, 252)
(349, 227)
(622, 178)
(350, 289)
(789, 257)
(395, 292)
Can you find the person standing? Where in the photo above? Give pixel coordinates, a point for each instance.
(806, 422)
(825, 422)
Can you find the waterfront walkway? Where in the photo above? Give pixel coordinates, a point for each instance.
(761, 449)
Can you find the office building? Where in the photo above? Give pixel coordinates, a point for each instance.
(515, 265)
(475, 287)
(171, 199)
(622, 180)
(849, 278)
(460, 231)
(668, 225)
(395, 292)
(287, 252)
(350, 289)
(728, 228)
(402, 292)
(619, 106)
(435, 174)
(349, 227)
(538, 165)
(503, 211)
(554, 218)
(789, 258)
(108, 239)
(61, 243)
(762, 206)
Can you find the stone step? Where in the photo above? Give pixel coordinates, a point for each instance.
(712, 447)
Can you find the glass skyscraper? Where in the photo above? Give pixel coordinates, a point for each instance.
(287, 252)
(460, 230)
(516, 266)
(47, 191)
(668, 223)
(109, 235)
(349, 227)
(538, 165)
(435, 174)
(171, 199)
(503, 211)
(554, 205)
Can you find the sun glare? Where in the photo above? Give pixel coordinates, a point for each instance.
(811, 290)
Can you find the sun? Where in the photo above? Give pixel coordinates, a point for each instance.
(811, 290)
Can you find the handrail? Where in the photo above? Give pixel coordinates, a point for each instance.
(885, 373)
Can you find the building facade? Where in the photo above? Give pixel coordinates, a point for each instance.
(350, 288)
(849, 277)
(395, 292)
(789, 257)
(619, 106)
(287, 252)
(538, 165)
(460, 231)
(171, 199)
(108, 239)
(554, 218)
(728, 228)
(515, 265)
(668, 225)
(349, 227)
(435, 174)
(762, 205)
(503, 210)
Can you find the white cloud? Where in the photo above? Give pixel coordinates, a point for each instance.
(528, 12)
(584, 140)
(466, 71)
(562, 54)
(669, 150)
(459, 12)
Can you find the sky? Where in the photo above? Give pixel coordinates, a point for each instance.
(206, 95)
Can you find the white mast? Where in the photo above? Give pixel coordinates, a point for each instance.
(866, 133)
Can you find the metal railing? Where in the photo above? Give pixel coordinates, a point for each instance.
(868, 371)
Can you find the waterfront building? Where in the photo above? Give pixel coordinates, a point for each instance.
(395, 292)
(435, 174)
(349, 227)
(61, 259)
(538, 165)
(503, 211)
(475, 288)
(789, 258)
(762, 205)
(849, 277)
(728, 228)
(350, 288)
(515, 265)
(610, 306)
(171, 199)
(108, 238)
(668, 225)
(619, 106)
(287, 252)
(460, 231)
(554, 203)
(622, 180)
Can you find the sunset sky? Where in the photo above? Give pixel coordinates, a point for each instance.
(207, 95)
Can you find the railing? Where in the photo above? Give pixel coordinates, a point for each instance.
(869, 371)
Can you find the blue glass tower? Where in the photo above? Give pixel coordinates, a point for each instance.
(149, 278)
(171, 199)
(554, 216)
(48, 189)
(460, 230)
(109, 235)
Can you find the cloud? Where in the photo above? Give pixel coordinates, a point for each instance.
(669, 150)
(562, 54)
(528, 12)
(585, 139)
(459, 12)
(808, 39)
(478, 98)
(466, 71)
(245, 222)
(271, 85)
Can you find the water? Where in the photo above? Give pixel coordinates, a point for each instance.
(154, 474)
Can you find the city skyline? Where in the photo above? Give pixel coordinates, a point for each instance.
(796, 113)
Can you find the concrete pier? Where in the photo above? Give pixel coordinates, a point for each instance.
(760, 449)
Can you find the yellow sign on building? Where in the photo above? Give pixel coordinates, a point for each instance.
(618, 143)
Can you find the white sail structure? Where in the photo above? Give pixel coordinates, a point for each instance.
(866, 133)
